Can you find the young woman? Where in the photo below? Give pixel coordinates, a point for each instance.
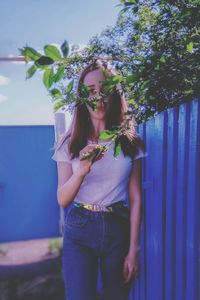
(97, 193)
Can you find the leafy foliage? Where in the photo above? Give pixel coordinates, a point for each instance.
(156, 46)
(95, 153)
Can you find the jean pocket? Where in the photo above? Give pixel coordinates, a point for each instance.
(122, 212)
(76, 218)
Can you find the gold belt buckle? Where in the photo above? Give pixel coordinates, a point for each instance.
(88, 206)
(96, 207)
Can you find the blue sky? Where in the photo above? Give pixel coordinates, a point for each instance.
(37, 23)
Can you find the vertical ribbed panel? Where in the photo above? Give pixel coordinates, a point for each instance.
(170, 231)
(193, 206)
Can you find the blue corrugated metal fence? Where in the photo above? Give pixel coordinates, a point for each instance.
(170, 232)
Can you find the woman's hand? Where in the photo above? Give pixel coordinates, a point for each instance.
(131, 266)
(85, 164)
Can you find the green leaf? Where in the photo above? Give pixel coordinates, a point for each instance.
(48, 78)
(30, 53)
(131, 101)
(117, 148)
(52, 52)
(31, 71)
(56, 93)
(114, 79)
(131, 78)
(110, 82)
(58, 105)
(44, 60)
(135, 9)
(59, 74)
(187, 92)
(83, 90)
(129, 3)
(144, 84)
(107, 134)
(157, 67)
(190, 47)
(123, 11)
(162, 59)
(70, 87)
(65, 48)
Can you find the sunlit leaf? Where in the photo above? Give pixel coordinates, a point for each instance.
(70, 87)
(117, 148)
(59, 74)
(56, 93)
(48, 78)
(187, 92)
(30, 53)
(58, 105)
(190, 47)
(52, 52)
(114, 79)
(31, 71)
(107, 134)
(162, 59)
(131, 101)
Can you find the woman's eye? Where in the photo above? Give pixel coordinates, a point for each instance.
(93, 93)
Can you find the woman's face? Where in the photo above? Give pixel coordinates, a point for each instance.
(93, 80)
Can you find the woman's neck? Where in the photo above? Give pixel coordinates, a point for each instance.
(98, 127)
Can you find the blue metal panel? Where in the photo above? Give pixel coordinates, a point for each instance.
(170, 186)
(170, 238)
(28, 205)
(146, 270)
(156, 211)
(193, 204)
(139, 285)
(145, 184)
(181, 191)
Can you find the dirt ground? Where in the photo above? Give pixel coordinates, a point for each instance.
(24, 252)
(31, 270)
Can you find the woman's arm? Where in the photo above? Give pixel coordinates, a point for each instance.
(68, 183)
(131, 262)
(135, 198)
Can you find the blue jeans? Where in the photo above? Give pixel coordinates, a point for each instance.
(90, 236)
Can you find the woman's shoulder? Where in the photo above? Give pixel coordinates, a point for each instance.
(63, 141)
(62, 149)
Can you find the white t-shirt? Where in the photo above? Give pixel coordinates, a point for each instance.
(107, 181)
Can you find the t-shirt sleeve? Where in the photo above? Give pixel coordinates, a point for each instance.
(62, 153)
(140, 154)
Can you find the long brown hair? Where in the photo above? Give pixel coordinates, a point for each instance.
(81, 125)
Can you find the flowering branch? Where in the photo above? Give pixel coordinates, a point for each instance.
(55, 64)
